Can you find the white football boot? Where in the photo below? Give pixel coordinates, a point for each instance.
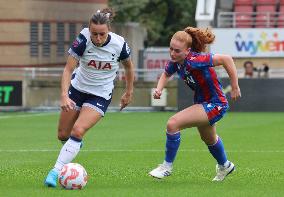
(161, 171)
(222, 171)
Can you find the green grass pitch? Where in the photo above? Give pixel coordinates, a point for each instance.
(120, 151)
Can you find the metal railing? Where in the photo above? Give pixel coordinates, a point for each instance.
(250, 19)
(30, 72)
(140, 74)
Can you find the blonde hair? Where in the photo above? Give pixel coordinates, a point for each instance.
(195, 38)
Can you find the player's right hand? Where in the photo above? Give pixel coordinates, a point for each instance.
(157, 94)
(235, 93)
(67, 104)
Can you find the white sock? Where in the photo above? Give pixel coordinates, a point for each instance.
(169, 164)
(68, 152)
(226, 164)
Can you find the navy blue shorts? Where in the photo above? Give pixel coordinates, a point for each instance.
(215, 111)
(98, 103)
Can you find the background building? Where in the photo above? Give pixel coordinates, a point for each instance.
(37, 33)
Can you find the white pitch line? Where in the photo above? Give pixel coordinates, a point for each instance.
(153, 150)
(25, 115)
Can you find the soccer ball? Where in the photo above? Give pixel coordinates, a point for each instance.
(73, 176)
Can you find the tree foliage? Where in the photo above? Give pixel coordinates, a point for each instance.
(160, 17)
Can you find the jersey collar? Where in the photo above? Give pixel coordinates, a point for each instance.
(107, 40)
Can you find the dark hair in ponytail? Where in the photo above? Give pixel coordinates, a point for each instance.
(104, 16)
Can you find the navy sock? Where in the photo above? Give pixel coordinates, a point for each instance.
(172, 145)
(218, 152)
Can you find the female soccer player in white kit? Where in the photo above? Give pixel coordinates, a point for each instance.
(84, 101)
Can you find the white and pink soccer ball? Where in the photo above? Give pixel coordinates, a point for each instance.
(73, 176)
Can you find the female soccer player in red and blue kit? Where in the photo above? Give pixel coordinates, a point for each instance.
(195, 68)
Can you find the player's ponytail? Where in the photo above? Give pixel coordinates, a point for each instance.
(200, 38)
(109, 12)
(104, 16)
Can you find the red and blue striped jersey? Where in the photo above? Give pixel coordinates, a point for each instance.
(198, 73)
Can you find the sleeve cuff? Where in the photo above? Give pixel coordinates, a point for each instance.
(73, 54)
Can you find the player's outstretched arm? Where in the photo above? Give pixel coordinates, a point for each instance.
(129, 79)
(160, 86)
(229, 65)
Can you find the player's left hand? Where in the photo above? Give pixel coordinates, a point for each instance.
(125, 99)
(235, 93)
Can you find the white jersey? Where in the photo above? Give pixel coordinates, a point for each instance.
(98, 66)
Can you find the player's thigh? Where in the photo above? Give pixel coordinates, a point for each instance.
(88, 117)
(192, 116)
(66, 123)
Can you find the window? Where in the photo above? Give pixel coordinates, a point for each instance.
(34, 39)
(60, 39)
(72, 32)
(46, 39)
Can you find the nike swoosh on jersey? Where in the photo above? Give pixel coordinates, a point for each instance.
(99, 105)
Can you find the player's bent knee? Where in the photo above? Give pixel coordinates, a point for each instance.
(172, 125)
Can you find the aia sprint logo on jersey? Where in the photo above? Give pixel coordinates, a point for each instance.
(100, 65)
